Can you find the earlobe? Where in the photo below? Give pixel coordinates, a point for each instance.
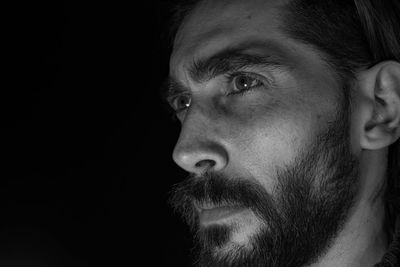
(383, 125)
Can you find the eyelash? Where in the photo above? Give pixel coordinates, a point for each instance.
(231, 76)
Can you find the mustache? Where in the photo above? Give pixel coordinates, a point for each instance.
(216, 189)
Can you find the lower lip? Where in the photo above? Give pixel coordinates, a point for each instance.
(219, 214)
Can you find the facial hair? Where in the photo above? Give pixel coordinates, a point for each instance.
(312, 199)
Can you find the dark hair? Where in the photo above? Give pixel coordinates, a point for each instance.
(351, 35)
(381, 24)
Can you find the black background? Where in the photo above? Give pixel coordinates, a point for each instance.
(86, 143)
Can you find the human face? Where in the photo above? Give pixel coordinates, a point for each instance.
(261, 113)
(241, 132)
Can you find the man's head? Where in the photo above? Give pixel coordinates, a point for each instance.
(283, 110)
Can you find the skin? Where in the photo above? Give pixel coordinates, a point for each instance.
(252, 135)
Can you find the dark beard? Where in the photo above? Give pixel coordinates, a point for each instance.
(311, 202)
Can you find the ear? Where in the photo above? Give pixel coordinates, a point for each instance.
(381, 87)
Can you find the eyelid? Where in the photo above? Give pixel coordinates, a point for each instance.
(252, 73)
(172, 98)
(231, 76)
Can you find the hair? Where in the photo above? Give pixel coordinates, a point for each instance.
(351, 35)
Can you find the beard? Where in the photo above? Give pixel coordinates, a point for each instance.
(311, 201)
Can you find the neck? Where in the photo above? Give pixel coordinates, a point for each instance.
(362, 242)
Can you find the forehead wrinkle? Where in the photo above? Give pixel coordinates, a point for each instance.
(194, 40)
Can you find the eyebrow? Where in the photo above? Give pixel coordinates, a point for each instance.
(230, 60)
(171, 87)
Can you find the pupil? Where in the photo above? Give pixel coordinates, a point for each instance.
(184, 102)
(244, 82)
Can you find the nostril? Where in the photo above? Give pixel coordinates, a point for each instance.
(207, 163)
(200, 157)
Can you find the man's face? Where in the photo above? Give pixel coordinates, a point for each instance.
(265, 134)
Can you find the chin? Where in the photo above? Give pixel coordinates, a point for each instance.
(229, 244)
(241, 233)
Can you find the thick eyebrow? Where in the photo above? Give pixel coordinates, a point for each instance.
(230, 60)
(171, 87)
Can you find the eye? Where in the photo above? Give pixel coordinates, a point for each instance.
(181, 102)
(244, 82)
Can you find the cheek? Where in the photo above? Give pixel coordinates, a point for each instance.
(264, 137)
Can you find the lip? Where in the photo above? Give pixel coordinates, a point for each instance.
(218, 214)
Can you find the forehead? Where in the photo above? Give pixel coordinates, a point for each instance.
(217, 24)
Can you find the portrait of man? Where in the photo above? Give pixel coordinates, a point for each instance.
(290, 128)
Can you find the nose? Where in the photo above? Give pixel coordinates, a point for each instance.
(200, 146)
(198, 156)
